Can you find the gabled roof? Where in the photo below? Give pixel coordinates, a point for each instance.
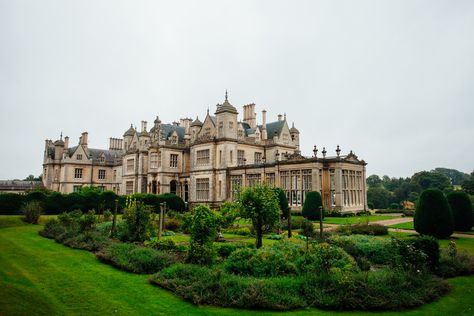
(167, 130)
(272, 127)
(109, 154)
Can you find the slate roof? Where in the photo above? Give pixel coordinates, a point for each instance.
(110, 154)
(272, 127)
(167, 130)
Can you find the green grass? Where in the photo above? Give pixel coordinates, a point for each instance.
(357, 219)
(410, 225)
(41, 277)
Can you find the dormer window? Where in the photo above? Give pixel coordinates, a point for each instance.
(102, 159)
(79, 157)
(174, 139)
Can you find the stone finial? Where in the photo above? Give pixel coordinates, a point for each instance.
(324, 152)
(338, 151)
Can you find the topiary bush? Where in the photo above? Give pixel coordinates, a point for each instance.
(394, 206)
(433, 215)
(311, 206)
(462, 210)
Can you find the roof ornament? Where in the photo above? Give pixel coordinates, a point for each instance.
(338, 150)
(61, 136)
(284, 117)
(315, 151)
(324, 152)
(226, 95)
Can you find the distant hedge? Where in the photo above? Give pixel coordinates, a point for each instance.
(88, 198)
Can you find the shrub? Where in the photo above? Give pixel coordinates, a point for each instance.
(407, 257)
(225, 249)
(390, 211)
(202, 285)
(324, 257)
(164, 244)
(120, 229)
(203, 233)
(107, 216)
(377, 250)
(88, 221)
(172, 224)
(433, 215)
(409, 213)
(89, 240)
(32, 211)
(455, 264)
(52, 229)
(370, 206)
(311, 205)
(363, 229)
(378, 290)
(137, 222)
(280, 259)
(430, 246)
(296, 223)
(394, 206)
(462, 210)
(307, 229)
(134, 258)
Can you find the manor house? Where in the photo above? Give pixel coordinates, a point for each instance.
(207, 161)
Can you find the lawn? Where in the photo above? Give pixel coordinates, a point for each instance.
(357, 219)
(409, 225)
(41, 277)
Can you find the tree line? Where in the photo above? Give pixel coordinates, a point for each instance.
(384, 192)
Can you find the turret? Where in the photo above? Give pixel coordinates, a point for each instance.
(295, 136)
(128, 136)
(226, 116)
(59, 148)
(195, 128)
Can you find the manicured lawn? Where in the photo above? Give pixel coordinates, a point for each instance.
(409, 225)
(357, 219)
(41, 277)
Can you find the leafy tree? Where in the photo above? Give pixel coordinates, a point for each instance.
(431, 180)
(203, 233)
(433, 215)
(456, 176)
(312, 203)
(374, 181)
(462, 210)
(379, 197)
(468, 184)
(260, 205)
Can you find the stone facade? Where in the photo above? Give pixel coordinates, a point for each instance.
(205, 162)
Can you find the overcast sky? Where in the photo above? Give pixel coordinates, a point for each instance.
(391, 80)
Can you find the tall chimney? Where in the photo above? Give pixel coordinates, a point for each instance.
(264, 124)
(144, 126)
(66, 142)
(84, 138)
(279, 117)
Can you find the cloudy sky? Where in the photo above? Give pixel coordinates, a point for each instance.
(391, 80)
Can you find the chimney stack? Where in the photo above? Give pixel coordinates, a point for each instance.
(66, 142)
(264, 125)
(144, 123)
(83, 139)
(279, 117)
